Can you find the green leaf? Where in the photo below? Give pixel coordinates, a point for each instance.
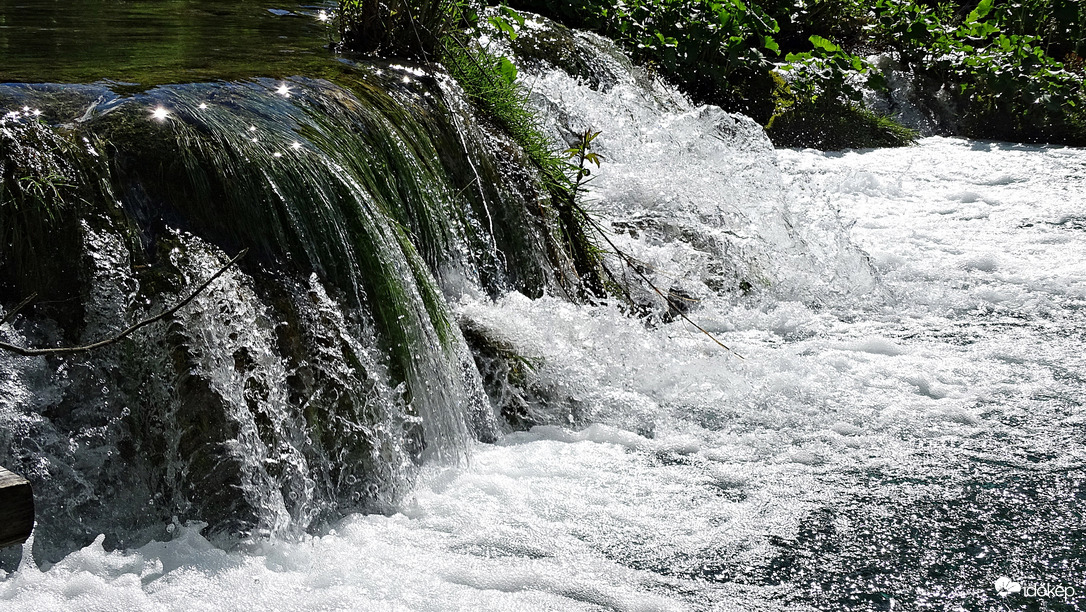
(508, 70)
(980, 12)
(503, 26)
(512, 14)
(823, 43)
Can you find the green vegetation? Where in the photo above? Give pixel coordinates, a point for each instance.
(998, 63)
(1013, 70)
(396, 28)
(434, 30)
(39, 190)
(821, 105)
(490, 83)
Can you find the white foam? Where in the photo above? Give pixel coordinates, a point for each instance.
(667, 458)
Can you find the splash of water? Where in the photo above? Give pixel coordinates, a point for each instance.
(904, 430)
(308, 383)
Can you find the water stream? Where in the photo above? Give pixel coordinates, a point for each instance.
(141, 43)
(899, 424)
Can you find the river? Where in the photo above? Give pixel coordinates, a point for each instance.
(897, 426)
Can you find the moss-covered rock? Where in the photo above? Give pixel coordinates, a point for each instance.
(310, 379)
(834, 127)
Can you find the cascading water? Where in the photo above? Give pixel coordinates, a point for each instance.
(311, 379)
(905, 427)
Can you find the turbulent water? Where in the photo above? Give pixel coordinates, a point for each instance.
(897, 426)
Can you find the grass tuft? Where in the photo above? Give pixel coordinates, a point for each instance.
(490, 84)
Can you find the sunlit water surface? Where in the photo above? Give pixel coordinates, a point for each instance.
(899, 425)
(151, 42)
(913, 443)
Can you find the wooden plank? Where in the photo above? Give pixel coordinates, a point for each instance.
(16, 508)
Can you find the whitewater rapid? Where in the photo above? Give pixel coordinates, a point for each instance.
(897, 425)
(698, 466)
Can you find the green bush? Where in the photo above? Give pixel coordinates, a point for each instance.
(1015, 67)
(1005, 83)
(1058, 25)
(717, 51)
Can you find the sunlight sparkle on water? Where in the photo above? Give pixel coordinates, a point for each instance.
(160, 114)
(907, 404)
(283, 90)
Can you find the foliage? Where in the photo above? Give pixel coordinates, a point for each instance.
(847, 22)
(582, 152)
(1005, 83)
(396, 28)
(827, 74)
(716, 50)
(1015, 68)
(1057, 24)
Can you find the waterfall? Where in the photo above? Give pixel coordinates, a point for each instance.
(391, 402)
(307, 382)
(312, 379)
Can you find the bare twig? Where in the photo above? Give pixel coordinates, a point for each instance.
(670, 302)
(11, 315)
(582, 154)
(69, 350)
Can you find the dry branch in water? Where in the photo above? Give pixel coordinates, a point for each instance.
(69, 350)
(581, 152)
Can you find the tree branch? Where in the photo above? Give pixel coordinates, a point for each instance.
(69, 350)
(11, 315)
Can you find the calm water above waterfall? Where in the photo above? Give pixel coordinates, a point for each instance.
(900, 424)
(152, 42)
